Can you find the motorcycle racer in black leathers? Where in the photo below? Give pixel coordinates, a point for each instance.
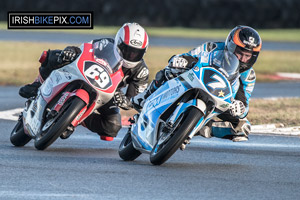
(131, 41)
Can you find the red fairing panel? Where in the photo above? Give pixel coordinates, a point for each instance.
(87, 57)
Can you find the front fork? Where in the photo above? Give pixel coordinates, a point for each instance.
(82, 94)
(182, 107)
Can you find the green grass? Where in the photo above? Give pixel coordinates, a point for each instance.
(271, 62)
(19, 61)
(273, 111)
(292, 35)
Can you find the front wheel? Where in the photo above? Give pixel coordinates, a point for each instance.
(18, 137)
(126, 150)
(168, 143)
(67, 114)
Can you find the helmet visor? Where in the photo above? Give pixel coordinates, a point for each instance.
(243, 55)
(230, 64)
(130, 53)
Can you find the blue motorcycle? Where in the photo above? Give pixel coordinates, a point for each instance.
(177, 110)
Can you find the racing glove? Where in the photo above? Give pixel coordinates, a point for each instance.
(178, 62)
(122, 101)
(183, 61)
(69, 54)
(237, 108)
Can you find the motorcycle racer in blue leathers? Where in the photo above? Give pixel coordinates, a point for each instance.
(246, 44)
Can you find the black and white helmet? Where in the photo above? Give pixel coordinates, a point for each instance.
(244, 38)
(132, 41)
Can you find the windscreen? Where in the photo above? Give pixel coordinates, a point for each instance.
(229, 64)
(105, 54)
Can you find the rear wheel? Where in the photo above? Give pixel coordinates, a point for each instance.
(169, 142)
(126, 150)
(59, 124)
(18, 137)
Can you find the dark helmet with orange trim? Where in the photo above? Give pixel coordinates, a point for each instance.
(131, 42)
(244, 38)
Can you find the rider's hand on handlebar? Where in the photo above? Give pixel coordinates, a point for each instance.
(69, 54)
(182, 62)
(178, 62)
(237, 108)
(122, 101)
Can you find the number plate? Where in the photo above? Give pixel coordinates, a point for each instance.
(97, 75)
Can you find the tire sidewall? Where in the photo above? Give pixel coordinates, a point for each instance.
(59, 126)
(18, 137)
(190, 119)
(128, 152)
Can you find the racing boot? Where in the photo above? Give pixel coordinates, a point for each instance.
(30, 90)
(240, 138)
(138, 101)
(206, 131)
(106, 138)
(243, 129)
(67, 133)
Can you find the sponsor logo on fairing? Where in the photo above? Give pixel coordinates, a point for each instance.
(67, 74)
(191, 76)
(58, 78)
(101, 62)
(63, 98)
(165, 96)
(196, 69)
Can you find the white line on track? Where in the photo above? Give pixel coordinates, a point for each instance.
(15, 193)
(12, 114)
(222, 142)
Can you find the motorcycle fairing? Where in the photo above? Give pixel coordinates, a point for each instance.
(58, 80)
(147, 124)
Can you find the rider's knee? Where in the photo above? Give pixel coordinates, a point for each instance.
(224, 128)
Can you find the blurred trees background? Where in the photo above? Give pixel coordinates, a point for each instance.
(185, 13)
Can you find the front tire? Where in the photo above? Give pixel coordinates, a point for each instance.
(18, 137)
(161, 152)
(67, 115)
(126, 150)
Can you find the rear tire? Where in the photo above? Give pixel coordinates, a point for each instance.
(67, 115)
(161, 153)
(126, 150)
(18, 137)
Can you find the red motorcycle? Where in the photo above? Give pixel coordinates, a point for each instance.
(69, 95)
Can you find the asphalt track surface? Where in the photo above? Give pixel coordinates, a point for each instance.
(77, 39)
(84, 167)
